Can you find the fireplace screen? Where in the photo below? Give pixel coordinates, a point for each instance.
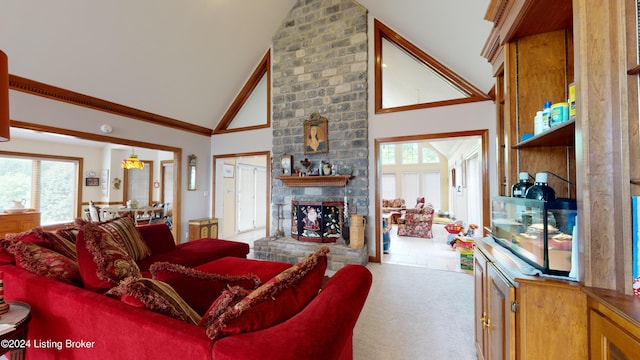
(317, 221)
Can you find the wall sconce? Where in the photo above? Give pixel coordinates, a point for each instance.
(5, 123)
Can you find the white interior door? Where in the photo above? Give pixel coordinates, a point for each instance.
(261, 197)
(246, 214)
(167, 183)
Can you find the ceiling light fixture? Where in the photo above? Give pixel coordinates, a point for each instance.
(5, 123)
(132, 162)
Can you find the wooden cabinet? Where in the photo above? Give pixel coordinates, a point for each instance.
(531, 49)
(614, 325)
(15, 223)
(519, 316)
(494, 315)
(203, 228)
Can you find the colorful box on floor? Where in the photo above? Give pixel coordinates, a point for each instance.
(466, 259)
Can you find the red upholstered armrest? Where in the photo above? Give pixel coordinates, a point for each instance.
(322, 330)
(158, 237)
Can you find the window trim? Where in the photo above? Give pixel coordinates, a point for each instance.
(381, 31)
(80, 171)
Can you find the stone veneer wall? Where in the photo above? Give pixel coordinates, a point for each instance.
(319, 64)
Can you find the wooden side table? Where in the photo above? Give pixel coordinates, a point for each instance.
(15, 340)
(203, 228)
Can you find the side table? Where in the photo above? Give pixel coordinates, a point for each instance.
(15, 340)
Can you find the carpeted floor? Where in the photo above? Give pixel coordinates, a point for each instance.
(416, 313)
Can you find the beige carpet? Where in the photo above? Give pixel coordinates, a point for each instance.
(416, 313)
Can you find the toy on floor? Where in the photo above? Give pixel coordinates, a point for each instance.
(462, 239)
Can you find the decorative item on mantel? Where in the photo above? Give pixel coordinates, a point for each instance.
(326, 168)
(308, 168)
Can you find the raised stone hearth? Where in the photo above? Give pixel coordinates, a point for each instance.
(291, 251)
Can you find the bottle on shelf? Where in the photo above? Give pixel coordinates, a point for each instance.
(537, 123)
(541, 189)
(520, 188)
(546, 116)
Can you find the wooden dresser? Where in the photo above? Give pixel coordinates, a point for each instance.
(15, 223)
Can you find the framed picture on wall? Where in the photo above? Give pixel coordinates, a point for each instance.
(316, 135)
(92, 181)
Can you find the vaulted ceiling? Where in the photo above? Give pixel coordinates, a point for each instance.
(187, 59)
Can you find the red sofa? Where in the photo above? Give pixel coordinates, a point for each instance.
(70, 322)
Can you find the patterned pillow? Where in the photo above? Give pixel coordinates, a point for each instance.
(103, 261)
(226, 300)
(275, 301)
(57, 242)
(43, 261)
(156, 296)
(123, 229)
(69, 233)
(27, 236)
(198, 288)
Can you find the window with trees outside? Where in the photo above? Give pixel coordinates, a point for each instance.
(388, 154)
(410, 153)
(47, 184)
(429, 156)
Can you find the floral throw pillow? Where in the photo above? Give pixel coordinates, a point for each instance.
(102, 260)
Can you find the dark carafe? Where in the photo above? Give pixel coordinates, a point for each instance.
(520, 188)
(541, 190)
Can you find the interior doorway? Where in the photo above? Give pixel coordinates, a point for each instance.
(465, 195)
(241, 193)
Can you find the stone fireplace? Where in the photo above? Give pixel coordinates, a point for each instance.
(319, 65)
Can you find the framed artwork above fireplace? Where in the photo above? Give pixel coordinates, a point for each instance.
(316, 134)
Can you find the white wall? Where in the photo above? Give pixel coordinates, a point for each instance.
(444, 119)
(39, 110)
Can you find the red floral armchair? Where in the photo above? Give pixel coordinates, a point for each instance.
(417, 222)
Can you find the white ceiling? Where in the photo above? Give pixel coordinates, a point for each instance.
(187, 59)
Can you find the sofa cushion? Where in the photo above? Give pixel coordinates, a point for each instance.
(42, 261)
(70, 233)
(197, 252)
(156, 296)
(275, 301)
(103, 261)
(227, 299)
(47, 239)
(57, 242)
(158, 237)
(230, 265)
(27, 236)
(123, 230)
(199, 289)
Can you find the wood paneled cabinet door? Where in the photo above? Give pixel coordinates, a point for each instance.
(495, 320)
(611, 341)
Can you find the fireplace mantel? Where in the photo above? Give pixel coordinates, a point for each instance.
(315, 181)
